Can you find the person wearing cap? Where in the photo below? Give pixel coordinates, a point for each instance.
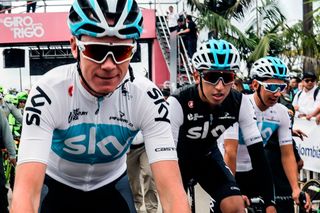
(307, 100)
(81, 118)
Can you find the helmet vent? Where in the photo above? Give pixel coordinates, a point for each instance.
(210, 58)
(73, 16)
(88, 10)
(221, 58)
(91, 28)
(230, 58)
(133, 14)
(129, 31)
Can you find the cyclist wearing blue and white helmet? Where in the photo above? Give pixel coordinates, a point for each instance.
(269, 76)
(80, 120)
(199, 115)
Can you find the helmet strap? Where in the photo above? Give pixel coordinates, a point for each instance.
(201, 88)
(259, 96)
(83, 79)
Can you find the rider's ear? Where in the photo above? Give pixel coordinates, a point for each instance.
(73, 46)
(196, 76)
(255, 85)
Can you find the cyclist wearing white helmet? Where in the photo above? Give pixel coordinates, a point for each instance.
(269, 76)
(80, 119)
(199, 115)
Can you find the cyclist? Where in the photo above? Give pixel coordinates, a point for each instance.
(201, 112)
(22, 98)
(6, 142)
(7, 107)
(270, 75)
(80, 119)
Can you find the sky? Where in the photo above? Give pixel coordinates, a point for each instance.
(292, 9)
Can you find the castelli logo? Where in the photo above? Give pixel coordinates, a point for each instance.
(70, 91)
(23, 27)
(190, 104)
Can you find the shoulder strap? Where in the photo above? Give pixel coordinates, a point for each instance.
(298, 94)
(316, 91)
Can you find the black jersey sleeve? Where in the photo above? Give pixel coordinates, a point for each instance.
(263, 172)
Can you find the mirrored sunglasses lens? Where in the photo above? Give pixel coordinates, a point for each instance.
(95, 51)
(228, 77)
(275, 87)
(98, 52)
(213, 77)
(122, 52)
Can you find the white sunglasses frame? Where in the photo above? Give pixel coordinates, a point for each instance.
(81, 46)
(278, 90)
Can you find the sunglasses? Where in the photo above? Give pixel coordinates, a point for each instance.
(273, 87)
(213, 77)
(309, 80)
(98, 51)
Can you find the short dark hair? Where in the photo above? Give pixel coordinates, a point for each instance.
(189, 17)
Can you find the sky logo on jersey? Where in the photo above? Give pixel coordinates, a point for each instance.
(92, 143)
(33, 111)
(159, 101)
(267, 129)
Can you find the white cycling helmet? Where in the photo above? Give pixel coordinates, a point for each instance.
(216, 55)
(269, 68)
(88, 17)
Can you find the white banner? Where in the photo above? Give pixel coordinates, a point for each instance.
(309, 148)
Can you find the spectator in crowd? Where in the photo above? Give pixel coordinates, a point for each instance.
(139, 169)
(293, 87)
(307, 100)
(5, 5)
(191, 36)
(238, 85)
(6, 141)
(172, 19)
(181, 27)
(294, 82)
(8, 108)
(31, 5)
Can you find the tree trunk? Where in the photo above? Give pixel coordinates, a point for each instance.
(308, 32)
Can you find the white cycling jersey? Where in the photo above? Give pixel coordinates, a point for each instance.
(83, 139)
(274, 119)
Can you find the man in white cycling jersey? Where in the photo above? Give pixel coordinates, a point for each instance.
(80, 120)
(270, 75)
(201, 112)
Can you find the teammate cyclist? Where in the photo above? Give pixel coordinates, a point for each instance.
(270, 75)
(200, 113)
(80, 119)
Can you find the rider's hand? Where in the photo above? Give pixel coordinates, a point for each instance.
(301, 115)
(300, 164)
(308, 117)
(318, 119)
(299, 133)
(295, 196)
(271, 209)
(246, 200)
(308, 205)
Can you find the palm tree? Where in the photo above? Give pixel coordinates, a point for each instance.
(216, 16)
